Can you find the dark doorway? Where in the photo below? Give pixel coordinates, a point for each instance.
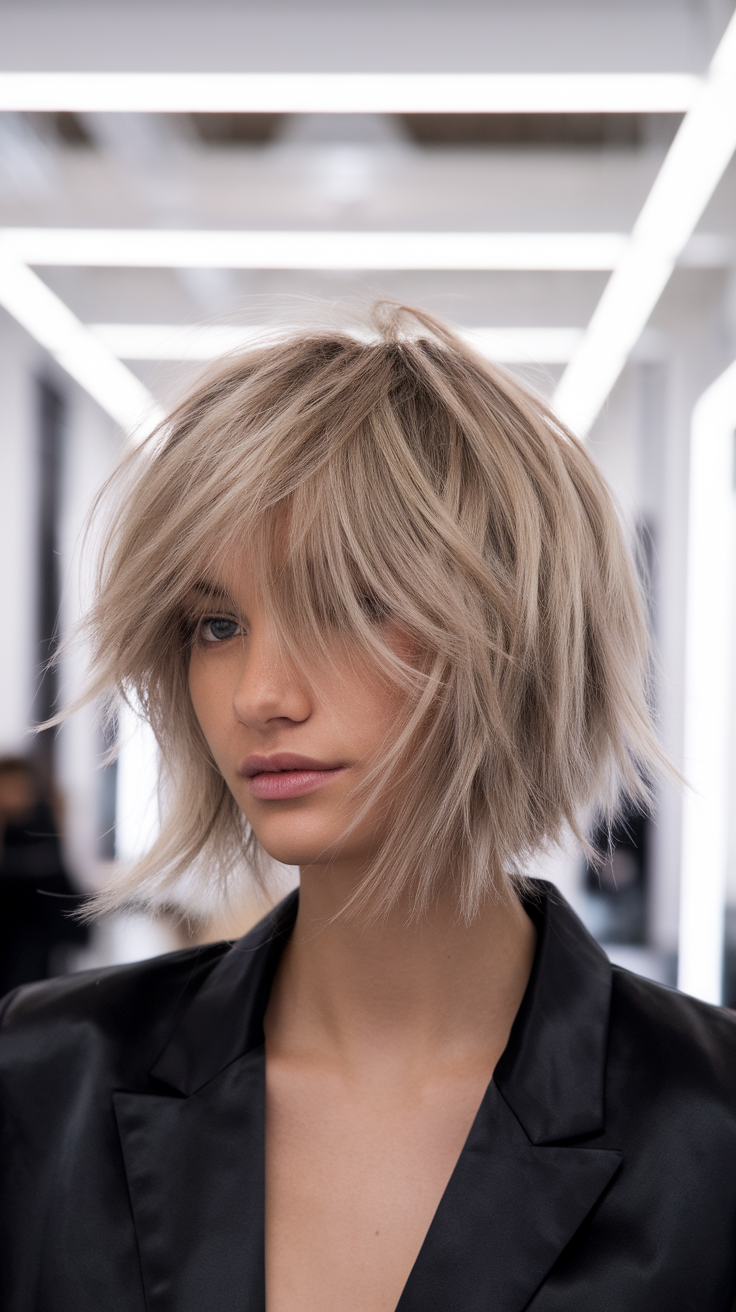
(51, 424)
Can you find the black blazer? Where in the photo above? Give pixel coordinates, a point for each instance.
(599, 1174)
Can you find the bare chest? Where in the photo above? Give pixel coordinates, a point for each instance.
(353, 1179)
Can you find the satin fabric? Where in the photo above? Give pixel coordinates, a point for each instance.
(599, 1174)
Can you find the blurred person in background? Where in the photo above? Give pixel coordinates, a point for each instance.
(378, 607)
(36, 896)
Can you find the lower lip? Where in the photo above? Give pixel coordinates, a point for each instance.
(273, 786)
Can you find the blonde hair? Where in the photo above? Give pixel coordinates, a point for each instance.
(394, 476)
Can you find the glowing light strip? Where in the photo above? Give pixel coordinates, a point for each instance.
(708, 689)
(525, 345)
(141, 341)
(136, 787)
(162, 341)
(690, 174)
(182, 248)
(77, 350)
(351, 93)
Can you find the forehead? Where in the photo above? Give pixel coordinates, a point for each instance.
(239, 577)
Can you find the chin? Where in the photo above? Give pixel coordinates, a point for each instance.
(299, 850)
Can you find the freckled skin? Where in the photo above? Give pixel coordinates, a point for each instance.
(247, 701)
(380, 1037)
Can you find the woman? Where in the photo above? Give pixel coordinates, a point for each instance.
(377, 607)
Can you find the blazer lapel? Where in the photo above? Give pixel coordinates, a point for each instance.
(519, 1192)
(195, 1169)
(194, 1148)
(507, 1213)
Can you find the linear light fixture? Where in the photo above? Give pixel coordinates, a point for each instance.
(136, 786)
(188, 248)
(92, 364)
(166, 341)
(691, 171)
(524, 345)
(708, 689)
(351, 93)
(201, 342)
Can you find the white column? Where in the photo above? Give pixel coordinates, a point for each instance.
(137, 818)
(18, 533)
(708, 689)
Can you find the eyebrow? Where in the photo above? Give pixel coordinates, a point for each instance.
(204, 590)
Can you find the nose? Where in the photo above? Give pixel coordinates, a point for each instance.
(268, 688)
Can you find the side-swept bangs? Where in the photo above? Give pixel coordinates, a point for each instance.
(374, 483)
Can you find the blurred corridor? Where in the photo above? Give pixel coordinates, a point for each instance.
(555, 179)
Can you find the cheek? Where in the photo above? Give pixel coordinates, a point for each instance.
(363, 709)
(207, 697)
(196, 687)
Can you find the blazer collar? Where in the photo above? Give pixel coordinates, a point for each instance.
(551, 1073)
(225, 1018)
(553, 1068)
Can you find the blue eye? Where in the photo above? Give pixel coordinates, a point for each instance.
(218, 629)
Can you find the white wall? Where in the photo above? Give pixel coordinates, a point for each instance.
(19, 359)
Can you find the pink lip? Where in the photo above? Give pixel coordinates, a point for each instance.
(285, 775)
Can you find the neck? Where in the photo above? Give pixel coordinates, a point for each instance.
(357, 989)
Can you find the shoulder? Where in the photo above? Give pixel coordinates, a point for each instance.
(670, 1039)
(121, 1015)
(106, 1030)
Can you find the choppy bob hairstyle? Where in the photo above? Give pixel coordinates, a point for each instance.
(366, 478)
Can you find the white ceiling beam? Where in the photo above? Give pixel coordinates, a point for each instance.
(84, 357)
(692, 169)
(202, 342)
(350, 93)
(181, 248)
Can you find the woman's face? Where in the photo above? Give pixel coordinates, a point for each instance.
(292, 750)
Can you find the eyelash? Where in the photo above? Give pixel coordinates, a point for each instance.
(210, 640)
(372, 608)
